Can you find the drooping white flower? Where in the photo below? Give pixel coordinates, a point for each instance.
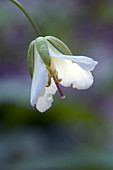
(63, 69)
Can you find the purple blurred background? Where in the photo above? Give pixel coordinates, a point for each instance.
(76, 133)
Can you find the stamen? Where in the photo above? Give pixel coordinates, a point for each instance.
(60, 91)
(49, 80)
(55, 76)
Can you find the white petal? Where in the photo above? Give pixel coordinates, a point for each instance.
(40, 79)
(45, 101)
(86, 63)
(72, 74)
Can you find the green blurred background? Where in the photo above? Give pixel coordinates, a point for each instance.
(76, 133)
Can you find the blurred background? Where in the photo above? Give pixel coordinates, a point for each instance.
(75, 133)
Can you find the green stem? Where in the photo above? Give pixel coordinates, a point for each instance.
(19, 5)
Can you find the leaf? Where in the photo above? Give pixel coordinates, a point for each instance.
(30, 58)
(59, 45)
(43, 50)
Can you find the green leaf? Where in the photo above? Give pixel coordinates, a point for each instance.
(30, 58)
(43, 50)
(59, 45)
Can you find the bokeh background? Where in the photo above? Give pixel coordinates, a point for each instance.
(76, 133)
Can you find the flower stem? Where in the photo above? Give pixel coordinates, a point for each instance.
(19, 5)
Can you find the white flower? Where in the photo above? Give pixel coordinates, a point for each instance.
(66, 70)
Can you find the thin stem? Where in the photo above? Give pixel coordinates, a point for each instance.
(19, 5)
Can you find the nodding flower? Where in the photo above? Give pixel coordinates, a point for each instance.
(54, 65)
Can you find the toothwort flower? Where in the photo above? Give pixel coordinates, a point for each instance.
(55, 65)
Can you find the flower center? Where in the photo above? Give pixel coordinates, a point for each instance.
(54, 75)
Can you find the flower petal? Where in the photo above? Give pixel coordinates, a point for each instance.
(84, 62)
(72, 74)
(40, 79)
(45, 101)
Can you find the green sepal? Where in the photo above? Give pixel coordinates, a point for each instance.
(43, 50)
(30, 58)
(59, 45)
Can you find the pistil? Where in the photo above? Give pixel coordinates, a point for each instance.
(60, 90)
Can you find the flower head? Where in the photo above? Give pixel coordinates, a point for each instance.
(55, 65)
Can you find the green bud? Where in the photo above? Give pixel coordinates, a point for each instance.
(43, 51)
(59, 45)
(30, 58)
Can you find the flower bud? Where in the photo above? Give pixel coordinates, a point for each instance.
(43, 51)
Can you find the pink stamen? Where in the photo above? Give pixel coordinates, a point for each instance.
(60, 91)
